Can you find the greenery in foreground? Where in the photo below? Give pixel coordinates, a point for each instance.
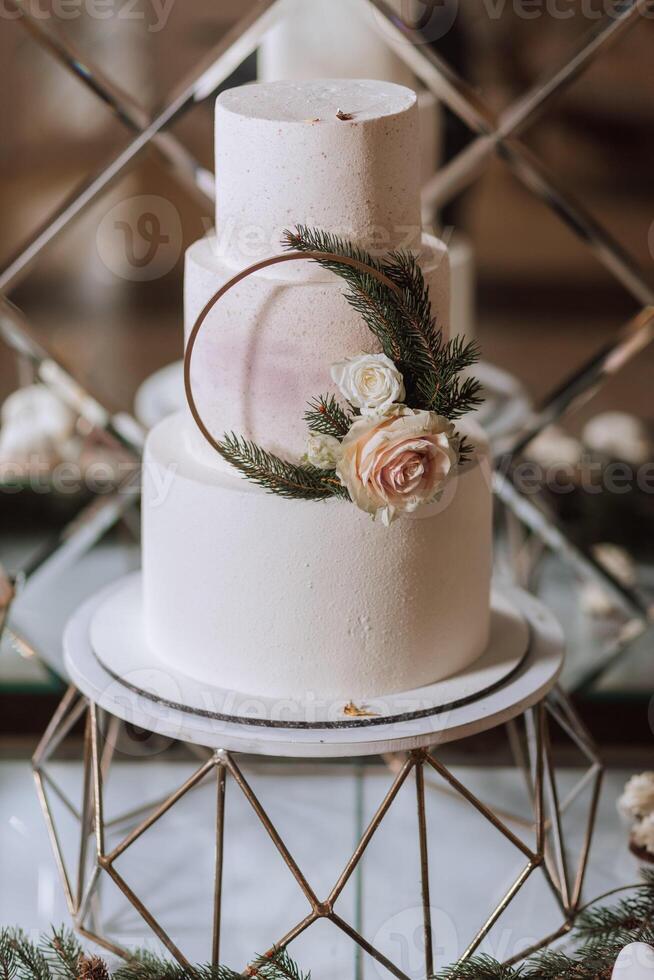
(601, 932)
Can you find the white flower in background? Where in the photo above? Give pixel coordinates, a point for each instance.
(637, 799)
(323, 451)
(370, 382)
(393, 464)
(643, 834)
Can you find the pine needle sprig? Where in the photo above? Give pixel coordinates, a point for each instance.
(8, 965)
(481, 967)
(145, 965)
(23, 956)
(277, 966)
(63, 953)
(632, 917)
(421, 339)
(402, 322)
(456, 398)
(369, 297)
(277, 475)
(326, 416)
(586, 963)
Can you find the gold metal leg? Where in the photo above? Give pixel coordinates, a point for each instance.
(221, 785)
(424, 868)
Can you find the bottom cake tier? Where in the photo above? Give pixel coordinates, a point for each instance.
(292, 598)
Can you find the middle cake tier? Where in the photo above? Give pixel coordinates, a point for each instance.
(265, 349)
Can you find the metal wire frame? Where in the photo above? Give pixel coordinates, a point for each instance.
(237, 44)
(224, 767)
(497, 133)
(527, 759)
(124, 107)
(468, 105)
(7, 592)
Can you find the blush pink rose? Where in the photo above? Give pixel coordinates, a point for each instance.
(394, 464)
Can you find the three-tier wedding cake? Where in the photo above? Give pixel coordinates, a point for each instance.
(368, 571)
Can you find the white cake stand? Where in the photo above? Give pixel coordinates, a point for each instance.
(526, 703)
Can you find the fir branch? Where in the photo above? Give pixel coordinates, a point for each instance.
(481, 967)
(63, 953)
(29, 961)
(594, 963)
(277, 965)
(422, 341)
(277, 475)
(466, 451)
(369, 297)
(456, 398)
(402, 322)
(146, 966)
(8, 965)
(325, 415)
(632, 919)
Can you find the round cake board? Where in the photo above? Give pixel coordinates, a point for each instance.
(118, 641)
(523, 689)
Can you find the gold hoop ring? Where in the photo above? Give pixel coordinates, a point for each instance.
(263, 264)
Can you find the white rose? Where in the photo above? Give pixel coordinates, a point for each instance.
(394, 464)
(323, 451)
(370, 382)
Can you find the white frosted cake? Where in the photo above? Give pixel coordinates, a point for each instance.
(293, 598)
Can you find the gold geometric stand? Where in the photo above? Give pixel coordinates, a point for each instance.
(529, 737)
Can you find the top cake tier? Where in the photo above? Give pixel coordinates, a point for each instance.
(335, 154)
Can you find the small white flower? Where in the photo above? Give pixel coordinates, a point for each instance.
(637, 800)
(643, 834)
(370, 382)
(323, 451)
